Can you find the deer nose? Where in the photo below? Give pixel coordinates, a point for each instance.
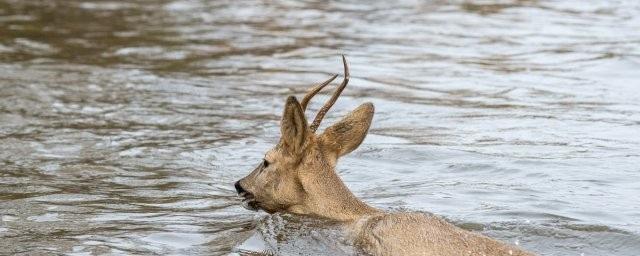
(239, 188)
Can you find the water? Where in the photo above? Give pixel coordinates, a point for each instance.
(124, 124)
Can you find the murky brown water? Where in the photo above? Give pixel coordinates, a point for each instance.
(124, 124)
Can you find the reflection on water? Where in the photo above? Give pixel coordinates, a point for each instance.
(123, 124)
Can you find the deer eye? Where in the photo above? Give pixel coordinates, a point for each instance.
(265, 163)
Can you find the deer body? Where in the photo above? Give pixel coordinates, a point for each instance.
(298, 176)
(420, 234)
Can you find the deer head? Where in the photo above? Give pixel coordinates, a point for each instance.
(297, 175)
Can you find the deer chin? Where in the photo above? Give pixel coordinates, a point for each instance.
(249, 201)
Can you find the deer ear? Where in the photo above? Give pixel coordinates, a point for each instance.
(293, 127)
(347, 134)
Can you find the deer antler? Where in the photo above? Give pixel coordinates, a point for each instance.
(313, 91)
(316, 121)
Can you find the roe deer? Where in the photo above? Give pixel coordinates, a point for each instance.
(298, 176)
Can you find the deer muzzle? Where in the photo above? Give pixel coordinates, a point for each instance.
(248, 199)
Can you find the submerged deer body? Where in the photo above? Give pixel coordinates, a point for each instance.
(298, 176)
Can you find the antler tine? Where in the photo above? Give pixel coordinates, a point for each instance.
(316, 121)
(313, 91)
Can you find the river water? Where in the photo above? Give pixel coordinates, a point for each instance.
(123, 124)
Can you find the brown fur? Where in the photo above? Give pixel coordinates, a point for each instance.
(299, 177)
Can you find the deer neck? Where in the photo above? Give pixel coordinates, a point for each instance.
(328, 197)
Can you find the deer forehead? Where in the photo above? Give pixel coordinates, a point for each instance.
(271, 155)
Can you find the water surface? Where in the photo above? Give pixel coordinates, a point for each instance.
(124, 124)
